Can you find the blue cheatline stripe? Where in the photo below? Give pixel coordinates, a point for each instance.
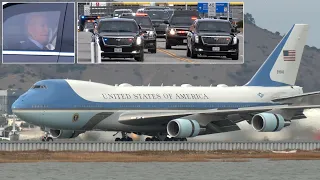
(149, 105)
(59, 95)
(262, 76)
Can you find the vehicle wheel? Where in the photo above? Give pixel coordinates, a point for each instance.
(117, 139)
(168, 46)
(148, 139)
(152, 50)
(188, 52)
(235, 57)
(140, 58)
(193, 54)
(49, 139)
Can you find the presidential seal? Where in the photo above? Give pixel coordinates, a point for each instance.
(75, 117)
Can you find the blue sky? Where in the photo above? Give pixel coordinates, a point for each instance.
(280, 15)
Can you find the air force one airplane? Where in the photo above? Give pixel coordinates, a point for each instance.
(269, 101)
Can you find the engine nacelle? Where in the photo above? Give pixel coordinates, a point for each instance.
(64, 134)
(268, 122)
(183, 128)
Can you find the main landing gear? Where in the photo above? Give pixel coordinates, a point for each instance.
(154, 138)
(125, 137)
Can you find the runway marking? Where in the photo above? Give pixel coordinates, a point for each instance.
(175, 56)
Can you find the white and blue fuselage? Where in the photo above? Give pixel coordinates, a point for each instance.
(83, 105)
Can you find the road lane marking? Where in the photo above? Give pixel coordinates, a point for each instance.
(175, 56)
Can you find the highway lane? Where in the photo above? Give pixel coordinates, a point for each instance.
(176, 55)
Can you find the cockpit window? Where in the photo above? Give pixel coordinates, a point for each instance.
(39, 87)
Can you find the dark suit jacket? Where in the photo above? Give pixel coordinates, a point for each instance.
(29, 45)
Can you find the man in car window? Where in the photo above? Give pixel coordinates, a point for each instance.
(37, 32)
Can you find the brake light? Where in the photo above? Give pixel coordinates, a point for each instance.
(194, 18)
(141, 14)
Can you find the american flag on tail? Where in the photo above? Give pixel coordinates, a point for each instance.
(289, 55)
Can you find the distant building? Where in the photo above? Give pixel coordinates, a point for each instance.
(7, 98)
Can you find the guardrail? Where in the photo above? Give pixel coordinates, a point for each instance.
(154, 146)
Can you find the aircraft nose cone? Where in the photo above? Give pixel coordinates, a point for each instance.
(18, 104)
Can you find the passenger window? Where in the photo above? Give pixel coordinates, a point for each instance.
(27, 30)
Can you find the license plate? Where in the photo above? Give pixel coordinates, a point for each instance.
(117, 49)
(215, 48)
(184, 41)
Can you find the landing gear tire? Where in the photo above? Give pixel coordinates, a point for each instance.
(126, 139)
(175, 139)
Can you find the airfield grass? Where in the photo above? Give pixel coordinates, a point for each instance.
(151, 156)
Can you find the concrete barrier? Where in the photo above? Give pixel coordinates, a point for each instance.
(154, 146)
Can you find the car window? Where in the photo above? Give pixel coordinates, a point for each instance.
(158, 14)
(143, 21)
(32, 27)
(89, 25)
(68, 44)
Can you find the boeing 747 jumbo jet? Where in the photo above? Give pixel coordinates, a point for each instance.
(269, 101)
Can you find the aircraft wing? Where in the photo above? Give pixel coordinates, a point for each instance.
(147, 118)
(299, 97)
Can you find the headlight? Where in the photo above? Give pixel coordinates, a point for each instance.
(139, 41)
(235, 40)
(172, 32)
(150, 33)
(196, 38)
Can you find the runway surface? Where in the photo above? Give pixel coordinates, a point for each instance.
(176, 55)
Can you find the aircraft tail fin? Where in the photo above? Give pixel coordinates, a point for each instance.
(282, 65)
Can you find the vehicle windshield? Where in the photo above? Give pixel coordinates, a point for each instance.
(117, 26)
(163, 15)
(89, 25)
(118, 13)
(143, 21)
(182, 20)
(214, 26)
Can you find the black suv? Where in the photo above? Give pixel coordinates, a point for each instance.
(120, 38)
(213, 37)
(149, 33)
(158, 16)
(178, 27)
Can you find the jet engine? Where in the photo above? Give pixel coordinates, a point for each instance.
(268, 122)
(64, 134)
(183, 128)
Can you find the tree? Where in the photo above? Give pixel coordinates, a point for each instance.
(249, 19)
